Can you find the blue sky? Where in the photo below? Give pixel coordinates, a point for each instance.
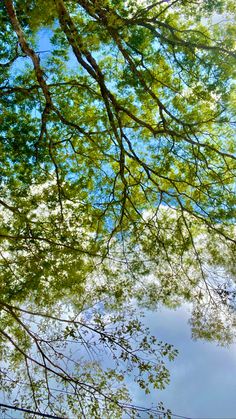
(203, 383)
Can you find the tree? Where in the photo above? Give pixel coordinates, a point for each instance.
(117, 190)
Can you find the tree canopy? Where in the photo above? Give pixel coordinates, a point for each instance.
(117, 191)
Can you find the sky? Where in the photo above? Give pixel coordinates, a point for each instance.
(203, 376)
